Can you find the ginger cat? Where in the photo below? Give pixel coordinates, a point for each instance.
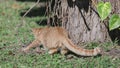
(56, 38)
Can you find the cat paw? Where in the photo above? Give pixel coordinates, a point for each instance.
(25, 50)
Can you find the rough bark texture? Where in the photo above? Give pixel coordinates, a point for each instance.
(83, 22)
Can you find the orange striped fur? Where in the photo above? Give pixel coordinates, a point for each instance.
(55, 38)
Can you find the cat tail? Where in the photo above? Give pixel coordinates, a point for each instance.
(81, 51)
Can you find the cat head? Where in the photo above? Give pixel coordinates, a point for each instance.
(36, 31)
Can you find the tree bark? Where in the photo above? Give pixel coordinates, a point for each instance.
(83, 22)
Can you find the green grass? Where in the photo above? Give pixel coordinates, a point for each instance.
(12, 37)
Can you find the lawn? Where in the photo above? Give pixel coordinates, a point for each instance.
(15, 33)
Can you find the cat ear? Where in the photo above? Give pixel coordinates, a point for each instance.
(35, 31)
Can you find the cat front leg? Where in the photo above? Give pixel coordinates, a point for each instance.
(35, 43)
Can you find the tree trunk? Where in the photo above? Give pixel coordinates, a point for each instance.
(83, 22)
